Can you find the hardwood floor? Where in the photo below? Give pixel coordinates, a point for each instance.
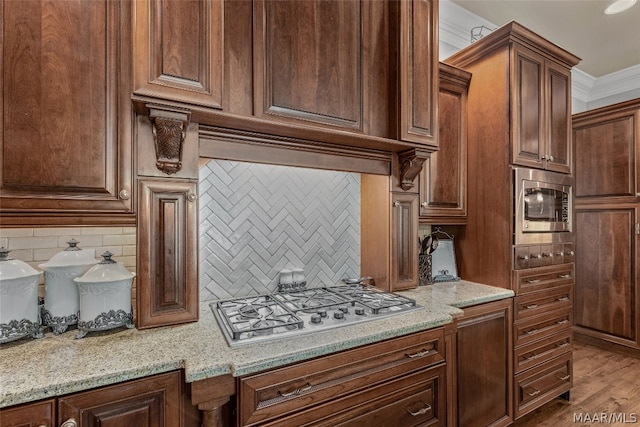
(604, 382)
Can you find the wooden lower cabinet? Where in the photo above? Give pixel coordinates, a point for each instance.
(484, 370)
(39, 414)
(401, 380)
(156, 401)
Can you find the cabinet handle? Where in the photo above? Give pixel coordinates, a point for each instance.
(534, 256)
(562, 322)
(531, 332)
(531, 306)
(396, 204)
(562, 299)
(564, 378)
(420, 353)
(296, 391)
(523, 257)
(533, 356)
(71, 422)
(535, 392)
(533, 281)
(571, 253)
(559, 254)
(564, 344)
(124, 194)
(546, 255)
(564, 276)
(550, 158)
(426, 408)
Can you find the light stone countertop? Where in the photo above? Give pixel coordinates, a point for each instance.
(56, 365)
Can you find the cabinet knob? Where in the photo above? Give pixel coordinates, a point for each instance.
(71, 422)
(637, 194)
(523, 257)
(192, 197)
(559, 253)
(550, 158)
(396, 204)
(124, 194)
(426, 205)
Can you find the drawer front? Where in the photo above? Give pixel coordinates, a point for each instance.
(281, 391)
(538, 327)
(539, 385)
(536, 303)
(415, 400)
(538, 279)
(538, 352)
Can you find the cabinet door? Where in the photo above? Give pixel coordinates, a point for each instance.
(167, 281)
(40, 414)
(419, 71)
(152, 402)
(404, 241)
(65, 137)
(606, 286)
(527, 108)
(607, 154)
(178, 50)
(308, 61)
(443, 180)
(558, 150)
(484, 363)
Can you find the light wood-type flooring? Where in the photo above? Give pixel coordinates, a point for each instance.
(604, 382)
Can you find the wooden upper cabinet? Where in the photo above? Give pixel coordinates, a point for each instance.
(419, 71)
(309, 62)
(541, 104)
(369, 68)
(178, 50)
(443, 180)
(607, 154)
(65, 137)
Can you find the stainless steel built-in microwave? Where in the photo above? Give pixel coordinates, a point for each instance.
(544, 206)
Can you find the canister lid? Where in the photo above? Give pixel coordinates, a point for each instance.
(14, 268)
(107, 270)
(70, 257)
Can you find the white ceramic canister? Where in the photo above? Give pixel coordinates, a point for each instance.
(18, 299)
(61, 301)
(105, 297)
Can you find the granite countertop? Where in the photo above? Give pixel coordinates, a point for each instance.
(60, 364)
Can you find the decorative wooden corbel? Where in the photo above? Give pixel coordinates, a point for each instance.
(209, 395)
(169, 130)
(410, 166)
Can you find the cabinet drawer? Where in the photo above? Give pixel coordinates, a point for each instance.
(537, 279)
(277, 392)
(537, 352)
(537, 303)
(539, 385)
(538, 327)
(415, 400)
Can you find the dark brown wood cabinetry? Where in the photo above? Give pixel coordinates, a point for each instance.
(484, 365)
(178, 49)
(399, 379)
(519, 105)
(39, 414)
(607, 155)
(155, 401)
(65, 147)
(443, 180)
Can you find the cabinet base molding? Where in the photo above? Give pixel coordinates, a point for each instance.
(587, 336)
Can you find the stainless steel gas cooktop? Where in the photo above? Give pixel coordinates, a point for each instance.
(260, 318)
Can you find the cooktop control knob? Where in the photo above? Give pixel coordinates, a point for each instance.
(322, 313)
(316, 318)
(344, 309)
(338, 315)
(360, 311)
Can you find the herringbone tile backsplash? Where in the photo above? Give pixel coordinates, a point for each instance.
(256, 220)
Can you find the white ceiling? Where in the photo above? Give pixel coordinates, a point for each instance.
(606, 43)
